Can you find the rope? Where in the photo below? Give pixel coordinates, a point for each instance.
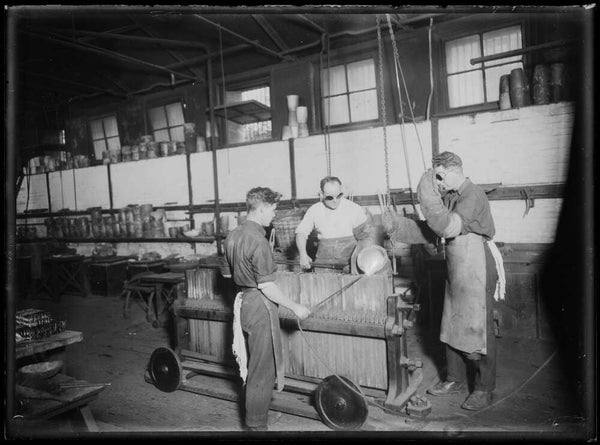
(224, 97)
(382, 106)
(399, 67)
(430, 70)
(326, 136)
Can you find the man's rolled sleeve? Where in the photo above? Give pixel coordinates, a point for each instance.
(263, 265)
(307, 224)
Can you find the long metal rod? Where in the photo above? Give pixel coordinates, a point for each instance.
(104, 52)
(213, 148)
(274, 35)
(518, 52)
(210, 55)
(72, 82)
(108, 35)
(114, 31)
(245, 39)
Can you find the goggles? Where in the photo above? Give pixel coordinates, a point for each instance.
(331, 198)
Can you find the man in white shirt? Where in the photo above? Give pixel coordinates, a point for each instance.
(341, 226)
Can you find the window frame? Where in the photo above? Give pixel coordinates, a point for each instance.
(345, 61)
(442, 72)
(245, 84)
(163, 104)
(101, 118)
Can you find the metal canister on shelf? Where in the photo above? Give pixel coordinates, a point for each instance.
(164, 148)
(108, 226)
(504, 92)
(145, 211)
(95, 213)
(556, 81)
(151, 150)
(180, 148)
(130, 229)
(518, 88)
(146, 138)
(135, 152)
(172, 148)
(541, 84)
(126, 153)
(143, 150)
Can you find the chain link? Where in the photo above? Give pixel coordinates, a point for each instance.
(383, 107)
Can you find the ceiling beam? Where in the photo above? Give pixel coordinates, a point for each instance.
(177, 57)
(72, 82)
(131, 38)
(122, 29)
(266, 26)
(312, 23)
(245, 39)
(107, 53)
(200, 59)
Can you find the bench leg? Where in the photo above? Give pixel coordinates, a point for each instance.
(88, 418)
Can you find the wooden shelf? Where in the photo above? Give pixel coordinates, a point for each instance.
(247, 112)
(199, 239)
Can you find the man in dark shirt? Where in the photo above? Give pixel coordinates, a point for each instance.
(253, 268)
(463, 219)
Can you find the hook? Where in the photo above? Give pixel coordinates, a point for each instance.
(529, 202)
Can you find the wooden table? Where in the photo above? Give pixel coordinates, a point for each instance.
(28, 348)
(72, 399)
(165, 285)
(77, 398)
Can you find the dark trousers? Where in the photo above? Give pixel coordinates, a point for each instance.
(261, 361)
(483, 369)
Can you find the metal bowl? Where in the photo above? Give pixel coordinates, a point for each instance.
(372, 259)
(42, 370)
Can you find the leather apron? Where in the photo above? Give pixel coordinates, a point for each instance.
(464, 316)
(336, 250)
(276, 338)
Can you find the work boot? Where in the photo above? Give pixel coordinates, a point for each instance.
(446, 388)
(477, 400)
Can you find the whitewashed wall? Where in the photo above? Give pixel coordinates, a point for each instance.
(513, 147)
(358, 159)
(518, 146)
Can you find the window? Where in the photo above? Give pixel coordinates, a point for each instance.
(349, 93)
(238, 130)
(477, 84)
(167, 122)
(61, 137)
(105, 135)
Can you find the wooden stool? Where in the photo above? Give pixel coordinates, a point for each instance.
(165, 286)
(143, 294)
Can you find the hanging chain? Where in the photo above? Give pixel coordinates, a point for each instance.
(399, 67)
(383, 108)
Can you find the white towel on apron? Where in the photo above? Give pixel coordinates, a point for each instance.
(239, 342)
(501, 283)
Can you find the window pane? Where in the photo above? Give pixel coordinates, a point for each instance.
(175, 114)
(337, 81)
(233, 97)
(110, 126)
(361, 75)
(460, 52)
(339, 110)
(262, 95)
(96, 127)
(363, 106)
(465, 89)
(161, 135)
(114, 143)
(177, 134)
(492, 79)
(502, 40)
(157, 117)
(99, 147)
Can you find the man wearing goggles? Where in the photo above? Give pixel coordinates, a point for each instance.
(341, 226)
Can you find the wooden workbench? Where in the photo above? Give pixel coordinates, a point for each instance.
(28, 348)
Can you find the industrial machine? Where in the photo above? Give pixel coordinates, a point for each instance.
(349, 353)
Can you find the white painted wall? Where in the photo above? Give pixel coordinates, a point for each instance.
(513, 147)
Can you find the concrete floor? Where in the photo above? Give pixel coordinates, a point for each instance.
(531, 399)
